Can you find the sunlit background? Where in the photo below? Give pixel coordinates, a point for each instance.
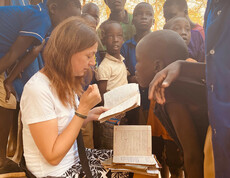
(196, 10)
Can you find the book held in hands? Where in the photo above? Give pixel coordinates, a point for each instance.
(120, 100)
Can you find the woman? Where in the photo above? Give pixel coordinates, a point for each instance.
(52, 114)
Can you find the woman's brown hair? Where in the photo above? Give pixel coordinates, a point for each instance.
(70, 37)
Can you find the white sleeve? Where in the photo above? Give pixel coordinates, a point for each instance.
(37, 104)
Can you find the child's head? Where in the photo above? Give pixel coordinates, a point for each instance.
(174, 8)
(60, 10)
(143, 16)
(116, 5)
(88, 18)
(112, 37)
(93, 10)
(157, 50)
(180, 25)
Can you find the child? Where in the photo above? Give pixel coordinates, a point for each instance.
(188, 125)
(172, 8)
(93, 10)
(111, 73)
(182, 26)
(118, 14)
(90, 19)
(143, 20)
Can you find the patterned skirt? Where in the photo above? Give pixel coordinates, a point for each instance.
(95, 157)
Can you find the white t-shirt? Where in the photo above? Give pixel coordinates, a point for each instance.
(39, 103)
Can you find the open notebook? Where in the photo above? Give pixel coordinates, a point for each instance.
(133, 145)
(120, 100)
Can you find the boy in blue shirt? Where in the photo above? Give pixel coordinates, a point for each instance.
(22, 28)
(143, 20)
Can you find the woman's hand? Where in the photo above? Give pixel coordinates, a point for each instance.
(96, 112)
(89, 99)
(162, 80)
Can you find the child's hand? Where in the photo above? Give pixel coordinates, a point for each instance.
(37, 49)
(162, 80)
(9, 89)
(89, 99)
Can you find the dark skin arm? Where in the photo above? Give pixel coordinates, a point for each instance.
(132, 79)
(181, 118)
(172, 72)
(102, 85)
(18, 48)
(19, 67)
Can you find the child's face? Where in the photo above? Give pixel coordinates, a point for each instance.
(144, 68)
(182, 27)
(143, 17)
(116, 5)
(94, 12)
(113, 38)
(173, 11)
(70, 10)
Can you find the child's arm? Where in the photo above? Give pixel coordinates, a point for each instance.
(165, 77)
(19, 47)
(25, 62)
(187, 134)
(102, 85)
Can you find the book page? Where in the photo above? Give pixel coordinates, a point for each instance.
(144, 160)
(133, 144)
(123, 107)
(120, 94)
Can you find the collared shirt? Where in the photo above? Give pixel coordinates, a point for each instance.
(113, 70)
(217, 41)
(20, 2)
(196, 46)
(28, 20)
(128, 31)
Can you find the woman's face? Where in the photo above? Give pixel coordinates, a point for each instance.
(82, 61)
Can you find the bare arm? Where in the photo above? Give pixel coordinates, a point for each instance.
(172, 72)
(23, 63)
(132, 79)
(18, 48)
(54, 146)
(102, 85)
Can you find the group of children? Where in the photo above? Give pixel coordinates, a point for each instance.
(129, 53)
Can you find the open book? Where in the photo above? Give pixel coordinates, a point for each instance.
(120, 100)
(133, 145)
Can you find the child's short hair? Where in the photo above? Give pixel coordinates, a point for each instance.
(165, 45)
(182, 4)
(90, 20)
(63, 3)
(105, 25)
(172, 20)
(142, 3)
(87, 6)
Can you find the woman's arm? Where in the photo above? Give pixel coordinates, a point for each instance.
(54, 146)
